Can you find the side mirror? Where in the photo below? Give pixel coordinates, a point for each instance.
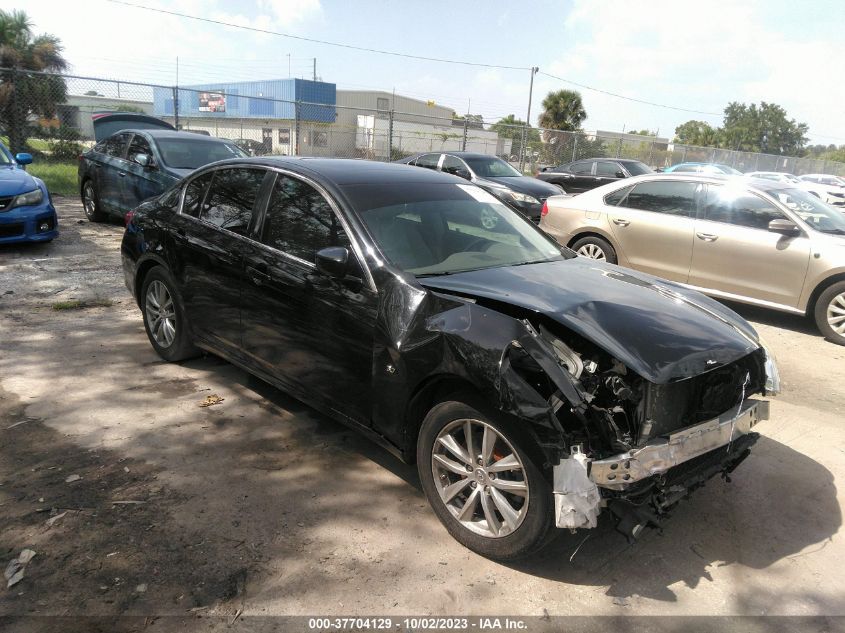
(23, 158)
(333, 261)
(142, 159)
(784, 227)
(620, 174)
(463, 173)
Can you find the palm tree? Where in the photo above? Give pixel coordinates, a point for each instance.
(562, 110)
(23, 94)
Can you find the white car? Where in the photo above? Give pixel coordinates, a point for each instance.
(833, 194)
(834, 183)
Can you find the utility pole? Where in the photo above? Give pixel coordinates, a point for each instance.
(315, 69)
(534, 71)
(288, 65)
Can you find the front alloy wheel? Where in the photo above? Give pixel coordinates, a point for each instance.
(480, 477)
(481, 482)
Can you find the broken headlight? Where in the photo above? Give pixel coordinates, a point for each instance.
(772, 374)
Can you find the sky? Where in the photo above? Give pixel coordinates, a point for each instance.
(690, 55)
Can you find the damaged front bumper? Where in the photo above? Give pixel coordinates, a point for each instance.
(578, 480)
(620, 471)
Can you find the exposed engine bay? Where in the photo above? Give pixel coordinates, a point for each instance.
(634, 446)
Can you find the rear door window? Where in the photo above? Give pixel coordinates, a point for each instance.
(614, 199)
(231, 198)
(116, 145)
(671, 197)
(428, 160)
(605, 168)
(582, 168)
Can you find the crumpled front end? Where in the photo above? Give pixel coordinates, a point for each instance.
(632, 446)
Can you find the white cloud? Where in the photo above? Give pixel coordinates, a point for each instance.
(288, 13)
(697, 56)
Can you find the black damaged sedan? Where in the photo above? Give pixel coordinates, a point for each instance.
(535, 389)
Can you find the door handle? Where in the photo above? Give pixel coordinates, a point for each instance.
(707, 237)
(121, 173)
(258, 274)
(621, 222)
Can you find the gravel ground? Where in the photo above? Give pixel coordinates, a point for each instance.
(259, 504)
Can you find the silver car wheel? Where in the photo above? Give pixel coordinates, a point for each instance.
(480, 478)
(592, 251)
(88, 200)
(836, 313)
(161, 314)
(489, 220)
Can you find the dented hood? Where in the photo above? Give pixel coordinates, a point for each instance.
(656, 328)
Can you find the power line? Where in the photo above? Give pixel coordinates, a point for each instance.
(312, 40)
(618, 96)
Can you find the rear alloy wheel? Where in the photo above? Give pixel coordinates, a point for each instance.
(91, 204)
(164, 317)
(830, 313)
(595, 248)
(483, 487)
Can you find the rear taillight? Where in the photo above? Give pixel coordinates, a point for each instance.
(545, 210)
(128, 217)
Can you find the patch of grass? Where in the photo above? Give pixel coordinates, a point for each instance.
(81, 304)
(60, 178)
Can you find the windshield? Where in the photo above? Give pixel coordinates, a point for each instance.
(187, 153)
(439, 229)
(813, 211)
(725, 169)
(491, 167)
(638, 169)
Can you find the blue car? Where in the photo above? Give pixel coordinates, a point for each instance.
(26, 210)
(702, 168)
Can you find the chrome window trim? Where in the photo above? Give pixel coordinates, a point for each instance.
(356, 247)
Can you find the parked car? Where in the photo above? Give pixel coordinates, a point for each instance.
(492, 174)
(26, 209)
(754, 241)
(533, 388)
(824, 179)
(702, 168)
(252, 147)
(583, 175)
(832, 194)
(132, 165)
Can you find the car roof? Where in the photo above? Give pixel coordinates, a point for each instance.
(461, 154)
(176, 134)
(758, 183)
(822, 175)
(348, 171)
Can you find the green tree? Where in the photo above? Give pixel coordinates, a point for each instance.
(764, 128)
(643, 132)
(512, 128)
(697, 133)
(22, 94)
(562, 110)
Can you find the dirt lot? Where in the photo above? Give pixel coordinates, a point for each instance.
(262, 505)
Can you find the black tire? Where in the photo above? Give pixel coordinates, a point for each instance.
(828, 307)
(181, 346)
(91, 202)
(536, 526)
(595, 244)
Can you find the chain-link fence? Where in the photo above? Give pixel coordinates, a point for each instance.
(53, 116)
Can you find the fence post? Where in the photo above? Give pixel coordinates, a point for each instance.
(651, 152)
(296, 126)
(574, 147)
(522, 148)
(619, 148)
(390, 136)
(176, 107)
(684, 155)
(466, 127)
